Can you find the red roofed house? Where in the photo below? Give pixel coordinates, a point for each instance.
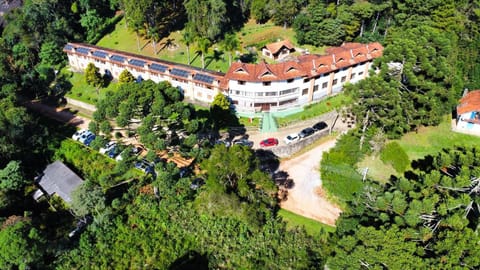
(468, 112)
(278, 50)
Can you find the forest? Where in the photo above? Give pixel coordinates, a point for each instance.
(425, 218)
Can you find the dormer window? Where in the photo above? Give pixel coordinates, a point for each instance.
(266, 73)
(241, 82)
(267, 83)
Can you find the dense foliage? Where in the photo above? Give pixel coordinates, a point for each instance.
(425, 219)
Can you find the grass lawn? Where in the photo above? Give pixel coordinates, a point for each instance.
(428, 141)
(316, 109)
(84, 92)
(312, 227)
(172, 49)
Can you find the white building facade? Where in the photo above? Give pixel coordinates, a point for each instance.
(251, 87)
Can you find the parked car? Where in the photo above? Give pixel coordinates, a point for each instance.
(269, 142)
(82, 135)
(319, 126)
(135, 151)
(197, 183)
(107, 147)
(225, 142)
(145, 166)
(113, 152)
(291, 138)
(243, 142)
(89, 139)
(76, 136)
(306, 132)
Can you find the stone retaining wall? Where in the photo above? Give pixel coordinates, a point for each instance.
(287, 150)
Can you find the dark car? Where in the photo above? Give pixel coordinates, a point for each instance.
(269, 142)
(319, 126)
(243, 142)
(306, 132)
(89, 139)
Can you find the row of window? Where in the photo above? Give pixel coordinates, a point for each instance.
(266, 94)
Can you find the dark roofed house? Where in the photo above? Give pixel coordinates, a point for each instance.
(58, 179)
(278, 50)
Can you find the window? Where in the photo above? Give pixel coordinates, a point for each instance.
(360, 73)
(259, 94)
(289, 80)
(237, 93)
(324, 85)
(304, 91)
(270, 94)
(344, 78)
(315, 88)
(241, 82)
(209, 97)
(288, 91)
(335, 82)
(199, 94)
(352, 76)
(267, 83)
(306, 80)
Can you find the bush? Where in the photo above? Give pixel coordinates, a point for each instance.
(393, 154)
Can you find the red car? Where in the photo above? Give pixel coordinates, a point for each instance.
(269, 142)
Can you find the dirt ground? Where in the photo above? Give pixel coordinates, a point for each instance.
(306, 197)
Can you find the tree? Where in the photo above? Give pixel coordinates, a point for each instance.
(87, 198)
(126, 77)
(258, 9)
(203, 44)
(206, 18)
(92, 23)
(20, 246)
(11, 177)
(230, 44)
(92, 75)
(187, 38)
(220, 110)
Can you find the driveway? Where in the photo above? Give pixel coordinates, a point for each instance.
(307, 198)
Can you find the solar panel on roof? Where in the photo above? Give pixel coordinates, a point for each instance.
(100, 54)
(68, 47)
(158, 67)
(179, 72)
(117, 58)
(203, 78)
(83, 50)
(136, 62)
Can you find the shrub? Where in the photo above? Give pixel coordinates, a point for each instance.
(393, 154)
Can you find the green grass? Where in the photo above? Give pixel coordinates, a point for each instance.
(84, 92)
(312, 227)
(427, 141)
(251, 34)
(316, 109)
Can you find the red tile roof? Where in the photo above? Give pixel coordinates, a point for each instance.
(277, 46)
(469, 103)
(309, 65)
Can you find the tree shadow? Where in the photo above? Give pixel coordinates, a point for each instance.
(425, 164)
(192, 260)
(215, 57)
(167, 43)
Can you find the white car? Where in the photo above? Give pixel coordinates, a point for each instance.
(85, 135)
(76, 136)
(291, 138)
(107, 147)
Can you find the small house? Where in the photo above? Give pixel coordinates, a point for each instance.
(468, 112)
(57, 179)
(278, 50)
